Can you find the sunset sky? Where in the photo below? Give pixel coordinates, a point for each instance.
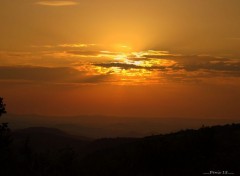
(149, 58)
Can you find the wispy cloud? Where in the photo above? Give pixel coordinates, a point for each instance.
(76, 45)
(66, 45)
(57, 3)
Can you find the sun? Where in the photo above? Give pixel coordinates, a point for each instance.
(133, 66)
(121, 57)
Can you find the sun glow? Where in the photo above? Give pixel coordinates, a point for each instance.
(137, 67)
(121, 57)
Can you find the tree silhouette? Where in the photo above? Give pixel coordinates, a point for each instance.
(4, 130)
(2, 107)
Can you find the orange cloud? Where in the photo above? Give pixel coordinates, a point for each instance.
(57, 3)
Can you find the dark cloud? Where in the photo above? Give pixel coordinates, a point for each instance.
(119, 65)
(212, 65)
(49, 75)
(37, 73)
(194, 62)
(138, 58)
(129, 66)
(179, 57)
(207, 63)
(85, 53)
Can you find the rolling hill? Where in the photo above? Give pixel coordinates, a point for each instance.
(45, 151)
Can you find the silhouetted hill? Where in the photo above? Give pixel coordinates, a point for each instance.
(41, 139)
(108, 143)
(187, 152)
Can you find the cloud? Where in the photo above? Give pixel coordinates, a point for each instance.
(50, 75)
(90, 66)
(183, 67)
(76, 45)
(37, 73)
(207, 63)
(129, 66)
(119, 65)
(85, 53)
(197, 62)
(66, 45)
(220, 66)
(57, 3)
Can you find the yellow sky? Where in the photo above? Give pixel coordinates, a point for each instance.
(128, 57)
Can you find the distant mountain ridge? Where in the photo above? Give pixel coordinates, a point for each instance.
(42, 138)
(46, 151)
(110, 126)
(47, 131)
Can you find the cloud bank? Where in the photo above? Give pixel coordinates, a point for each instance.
(89, 63)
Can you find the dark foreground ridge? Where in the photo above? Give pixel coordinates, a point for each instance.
(50, 152)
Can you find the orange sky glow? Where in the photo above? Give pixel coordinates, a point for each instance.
(145, 58)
